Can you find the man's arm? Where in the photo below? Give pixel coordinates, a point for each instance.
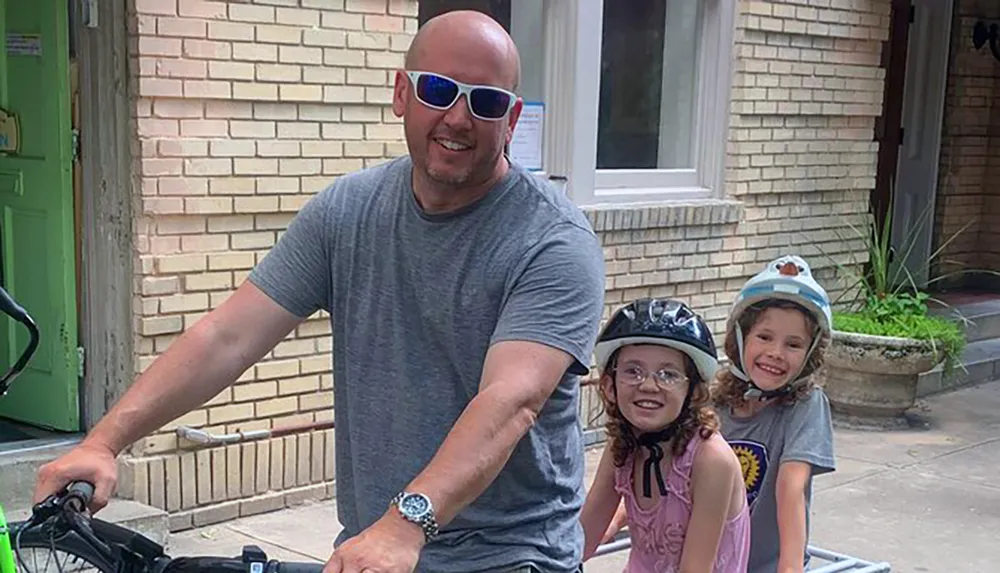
(209, 356)
(518, 377)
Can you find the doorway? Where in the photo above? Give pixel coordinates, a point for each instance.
(916, 59)
(38, 216)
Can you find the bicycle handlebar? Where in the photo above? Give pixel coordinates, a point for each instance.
(10, 307)
(112, 542)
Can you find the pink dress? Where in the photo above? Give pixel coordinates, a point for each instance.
(658, 533)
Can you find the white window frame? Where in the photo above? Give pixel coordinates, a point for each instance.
(572, 90)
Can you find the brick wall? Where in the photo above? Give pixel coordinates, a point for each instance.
(970, 146)
(245, 110)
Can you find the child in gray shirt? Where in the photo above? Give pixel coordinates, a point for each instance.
(771, 412)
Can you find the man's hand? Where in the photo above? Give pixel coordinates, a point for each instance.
(87, 462)
(390, 545)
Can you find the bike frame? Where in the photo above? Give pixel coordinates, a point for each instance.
(14, 310)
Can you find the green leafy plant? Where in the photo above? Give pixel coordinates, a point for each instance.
(887, 300)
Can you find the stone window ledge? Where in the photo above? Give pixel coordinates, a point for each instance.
(662, 214)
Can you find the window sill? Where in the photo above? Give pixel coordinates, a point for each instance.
(664, 214)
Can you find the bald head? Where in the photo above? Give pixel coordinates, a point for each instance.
(477, 36)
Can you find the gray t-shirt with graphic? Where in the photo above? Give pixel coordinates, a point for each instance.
(802, 432)
(415, 301)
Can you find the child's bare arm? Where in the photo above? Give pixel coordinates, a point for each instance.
(617, 523)
(602, 501)
(714, 476)
(791, 501)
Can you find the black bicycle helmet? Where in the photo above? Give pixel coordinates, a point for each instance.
(666, 322)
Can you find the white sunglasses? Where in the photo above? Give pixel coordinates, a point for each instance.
(436, 91)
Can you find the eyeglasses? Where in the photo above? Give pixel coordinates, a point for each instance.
(634, 375)
(441, 92)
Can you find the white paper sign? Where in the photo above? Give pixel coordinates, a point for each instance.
(526, 144)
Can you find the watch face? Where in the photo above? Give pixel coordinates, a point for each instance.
(415, 505)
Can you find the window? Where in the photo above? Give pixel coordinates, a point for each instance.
(650, 102)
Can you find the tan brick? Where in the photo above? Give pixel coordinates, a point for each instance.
(207, 89)
(325, 38)
(368, 41)
(300, 55)
(378, 95)
(204, 243)
(346, 58)
(162, 206)
(278, 73)
(278, 148)
(298, 92)
(153, 46)
(230, 413)
(160, 325)
(204, 128)
(231, 71)
(255, 91)
(232, 223)
(230, 31)
(342, 21)
(208, 166)
(231, 261)
(231, 148)
(161, 166)
(278, 185)
(157, 87)
(251, 13)
(182, 147)
(403, 8)
(208, 205)
(255, 52)
(181, 27)
(169, 108)
(299, 166)
(298, 17)
(256, 205)
(322, 149)
(160, 7)
(271, 110)
(343, 94)
(382, 23)
(252, 129)
(324, 75)
(390, 60)
(362, 149)
(298, 130)
(207, 281)
(276, 34)
(202, 9)
(255, 166)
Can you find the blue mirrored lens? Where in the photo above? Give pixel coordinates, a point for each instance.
(436, 90)
(489, 103)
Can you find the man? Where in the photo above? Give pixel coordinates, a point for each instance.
(464, 294)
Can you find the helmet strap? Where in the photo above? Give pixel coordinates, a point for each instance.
(653, 443)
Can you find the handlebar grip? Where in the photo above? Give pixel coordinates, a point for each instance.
(79, 494)
(299, 567)
(10, 307)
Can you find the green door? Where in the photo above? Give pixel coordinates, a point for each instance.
(36, 213)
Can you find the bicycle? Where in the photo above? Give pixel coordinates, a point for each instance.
(61, 523)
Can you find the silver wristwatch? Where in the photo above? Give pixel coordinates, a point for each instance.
(417, 508)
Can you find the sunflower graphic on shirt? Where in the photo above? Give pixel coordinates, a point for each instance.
(753, 462)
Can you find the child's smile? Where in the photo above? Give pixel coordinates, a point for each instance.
(776, 346)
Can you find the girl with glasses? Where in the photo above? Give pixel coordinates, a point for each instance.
(680, 481)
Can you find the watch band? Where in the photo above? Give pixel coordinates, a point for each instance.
(427, 522)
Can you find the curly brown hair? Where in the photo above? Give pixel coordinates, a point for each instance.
(699, 417)
(728, 390)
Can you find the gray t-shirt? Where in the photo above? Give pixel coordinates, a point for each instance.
(802, 432)
(415, 301)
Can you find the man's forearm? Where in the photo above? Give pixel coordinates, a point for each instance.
(187, 375)
(474, 452)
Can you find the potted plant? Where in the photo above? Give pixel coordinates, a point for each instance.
(886, 336)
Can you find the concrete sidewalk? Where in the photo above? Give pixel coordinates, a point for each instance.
(926, 500)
